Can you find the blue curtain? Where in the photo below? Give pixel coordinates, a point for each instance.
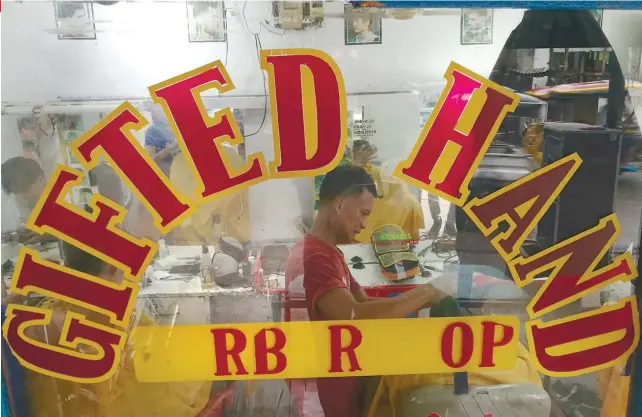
(14, 402)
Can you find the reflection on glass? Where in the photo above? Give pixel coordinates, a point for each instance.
(577, 77)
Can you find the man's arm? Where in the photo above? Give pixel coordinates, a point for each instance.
(341, 304)
(361, 297)
(446, 284)
(163, 153)
(335, 301)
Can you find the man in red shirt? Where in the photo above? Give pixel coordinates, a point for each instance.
(346, 198)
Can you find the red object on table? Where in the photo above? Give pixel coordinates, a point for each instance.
(296, 301)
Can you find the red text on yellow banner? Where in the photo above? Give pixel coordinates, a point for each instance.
(325, 349)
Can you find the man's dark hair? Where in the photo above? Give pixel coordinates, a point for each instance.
(27, 123)
(365, 17)
(201, 7)
(79, 260)
(20, 173)
(346, 180)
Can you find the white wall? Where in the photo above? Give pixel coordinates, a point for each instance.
(275, 205)
(141, 43)
(621, 27)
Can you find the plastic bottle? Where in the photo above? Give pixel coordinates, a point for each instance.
(162, 249)
(206, 268)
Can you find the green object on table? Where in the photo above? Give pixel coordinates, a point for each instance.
(448, 307)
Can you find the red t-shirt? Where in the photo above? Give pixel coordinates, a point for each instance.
(323, 268)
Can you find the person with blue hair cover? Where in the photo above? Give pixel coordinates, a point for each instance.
(160, 142)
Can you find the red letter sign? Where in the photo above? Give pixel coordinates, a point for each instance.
(221, 351)
(112, 139)
(94, 232)
(64, 361)
(457, 135)
(337, 349)
(56, 281)
(448, 344)
(261, 352)
(585, 342)
(489, 343)
(309, 111)
(201, 136)
(573, 263)
(522, 204)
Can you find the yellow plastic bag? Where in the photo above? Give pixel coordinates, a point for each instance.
(121, 395)
(614, 388)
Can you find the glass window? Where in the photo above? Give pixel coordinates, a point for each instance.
(372, 179)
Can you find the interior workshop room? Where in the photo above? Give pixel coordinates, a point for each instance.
(67, 65)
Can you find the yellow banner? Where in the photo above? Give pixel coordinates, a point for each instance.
(325, 349)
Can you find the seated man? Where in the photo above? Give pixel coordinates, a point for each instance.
(396, 205)
(346, 199)
(123, 394)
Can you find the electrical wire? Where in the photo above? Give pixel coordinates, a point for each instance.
(245, 21)
(257, 42)
(225, 61)
(259, 46)
(272, 31)
(437, 246)
(227, 50)
(227, 38)
(451, 260)
(227, 47)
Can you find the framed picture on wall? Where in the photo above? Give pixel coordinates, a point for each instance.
(476, 26)
(75, 20)
(598, 14)
(362, 27)
(206, 21)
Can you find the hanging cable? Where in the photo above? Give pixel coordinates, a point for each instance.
(245, 21)
(227, 50)
(257, 42)
(267, 27)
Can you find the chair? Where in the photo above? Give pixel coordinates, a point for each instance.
(303, 392)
